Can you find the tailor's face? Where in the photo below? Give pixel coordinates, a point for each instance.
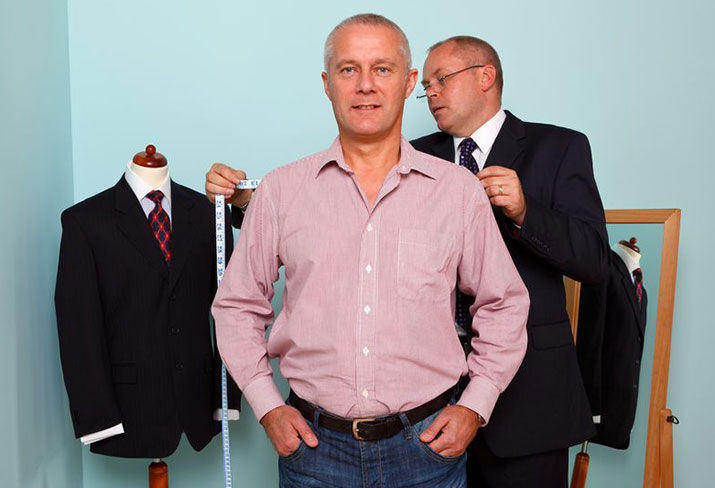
(457, 104)
(367, 82)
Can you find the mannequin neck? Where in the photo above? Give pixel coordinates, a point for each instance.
(153, 177)
(628, 254)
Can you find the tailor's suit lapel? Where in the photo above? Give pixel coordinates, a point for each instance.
(182, 238)
(508, 144)
(629, 289)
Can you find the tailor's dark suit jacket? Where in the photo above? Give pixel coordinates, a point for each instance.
(545, 407)
(611, 325)
(135, 335)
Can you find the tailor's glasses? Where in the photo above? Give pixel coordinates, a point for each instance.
(442, 80)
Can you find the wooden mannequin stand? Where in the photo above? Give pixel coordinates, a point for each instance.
(158, 474)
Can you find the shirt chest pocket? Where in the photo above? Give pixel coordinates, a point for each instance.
(423, 265)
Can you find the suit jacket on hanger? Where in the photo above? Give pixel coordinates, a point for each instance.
(611, 325)
(135, 336)
(545, 407)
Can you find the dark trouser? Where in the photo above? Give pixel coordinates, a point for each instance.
(543, 470)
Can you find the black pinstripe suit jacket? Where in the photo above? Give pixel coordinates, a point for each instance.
(135, 335)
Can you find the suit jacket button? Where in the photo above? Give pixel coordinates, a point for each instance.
(175, 330)
(172, 297)
(179, 366)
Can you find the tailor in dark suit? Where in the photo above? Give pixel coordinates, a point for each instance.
(611, 325)
(545, 407)
(135, 334)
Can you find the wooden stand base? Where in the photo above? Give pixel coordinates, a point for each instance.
(158, 474)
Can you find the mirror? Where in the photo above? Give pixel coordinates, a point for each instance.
(651, 436)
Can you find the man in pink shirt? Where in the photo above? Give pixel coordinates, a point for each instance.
(372, 235)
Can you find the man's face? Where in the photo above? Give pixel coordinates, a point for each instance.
(367, 81)
(457, 104)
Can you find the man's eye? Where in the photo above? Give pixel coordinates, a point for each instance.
(348, 70)
(383, 70)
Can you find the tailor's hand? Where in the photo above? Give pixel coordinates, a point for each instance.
(456, 426)
(222, 179)
(511, 197)
(285, 427)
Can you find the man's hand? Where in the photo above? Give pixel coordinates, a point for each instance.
(285, 427)
(456, 426)
(504, 190)
(222, 179)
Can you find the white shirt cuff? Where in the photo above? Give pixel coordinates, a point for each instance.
(102, 434)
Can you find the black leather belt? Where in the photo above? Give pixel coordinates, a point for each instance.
(370, 429)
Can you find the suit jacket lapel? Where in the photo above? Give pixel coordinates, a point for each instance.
(134, 225)
(630, 290)
(508, 144)
(444, 147)
(182, 237)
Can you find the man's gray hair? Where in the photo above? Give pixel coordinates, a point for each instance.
(476, 51)
(373, 20)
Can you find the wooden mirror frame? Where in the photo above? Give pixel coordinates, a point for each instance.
(659, 450)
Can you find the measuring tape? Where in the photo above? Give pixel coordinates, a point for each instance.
(220, 267)
(248, 184)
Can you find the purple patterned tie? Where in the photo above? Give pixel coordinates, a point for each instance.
(466, 158)
(463, 302)
(160, 224)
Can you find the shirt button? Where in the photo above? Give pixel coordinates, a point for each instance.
(368, 268)
(365, 393)
(404, 168)
(369, 227)
(365, 351)
(367, 309)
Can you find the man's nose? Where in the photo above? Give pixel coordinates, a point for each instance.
(366, 82)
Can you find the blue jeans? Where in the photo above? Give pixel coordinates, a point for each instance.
(401, 461)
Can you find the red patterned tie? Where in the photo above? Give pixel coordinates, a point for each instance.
(160, 224)
(638, 279)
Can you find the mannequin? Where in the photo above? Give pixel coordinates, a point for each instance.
(133, 320)
(612, 320)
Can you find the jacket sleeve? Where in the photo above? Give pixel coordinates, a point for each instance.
(236, 217)
(570, 230)
(80, 325)
(589, 340)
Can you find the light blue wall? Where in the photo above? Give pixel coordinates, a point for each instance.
(240, 83)
(37, 448)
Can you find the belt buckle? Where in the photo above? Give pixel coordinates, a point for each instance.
(356, 432)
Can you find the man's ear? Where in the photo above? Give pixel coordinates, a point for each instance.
(411, 82)
(489, 77)
(325, 85)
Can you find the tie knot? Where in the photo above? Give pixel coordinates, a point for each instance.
(638, 275)
(467, 146)
(155, 196)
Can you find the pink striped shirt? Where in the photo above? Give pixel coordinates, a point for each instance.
(367, 322)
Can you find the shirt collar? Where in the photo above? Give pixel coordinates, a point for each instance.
(140, 187)
(485, 135)
(410, 159)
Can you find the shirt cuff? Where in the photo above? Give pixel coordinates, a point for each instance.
(263, 396)
(480, 396)
(102, 434)
(233, 414)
